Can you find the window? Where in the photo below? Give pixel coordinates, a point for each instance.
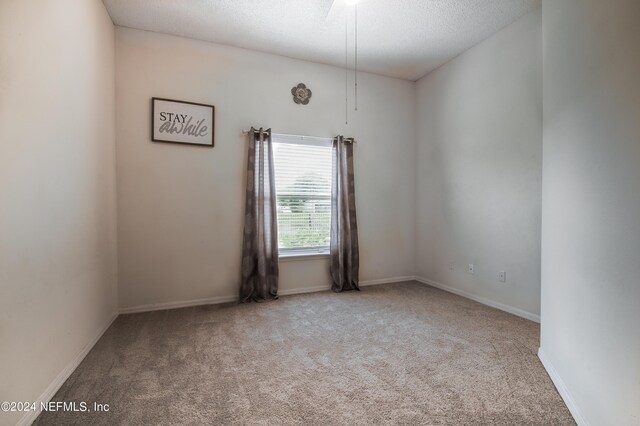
(303, 193)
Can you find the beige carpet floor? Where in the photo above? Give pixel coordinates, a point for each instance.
(399, 353)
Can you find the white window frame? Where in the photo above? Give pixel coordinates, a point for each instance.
(302, 252)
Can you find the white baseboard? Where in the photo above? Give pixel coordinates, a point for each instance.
(365, 283)
(510, 309)
(179, 304)
(562, 389)
(386, 281)
(303, 290)
(227, 299)
(53, 387)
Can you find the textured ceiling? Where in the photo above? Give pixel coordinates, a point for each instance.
(398, 38)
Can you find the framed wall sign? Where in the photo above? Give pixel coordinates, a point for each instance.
(182, 122)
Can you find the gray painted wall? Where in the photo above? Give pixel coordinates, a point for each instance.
(591, 206)
(479, 169)
(58, 274)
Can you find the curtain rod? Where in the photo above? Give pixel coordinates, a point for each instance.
(246, 132)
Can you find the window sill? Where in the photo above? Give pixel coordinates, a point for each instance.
(302, 256)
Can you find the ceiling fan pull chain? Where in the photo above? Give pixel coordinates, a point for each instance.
(356, 55)
(346, 70)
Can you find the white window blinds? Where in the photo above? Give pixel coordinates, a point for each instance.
(303, 193)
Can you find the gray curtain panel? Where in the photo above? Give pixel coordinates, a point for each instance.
(344, 255)
(260, 242)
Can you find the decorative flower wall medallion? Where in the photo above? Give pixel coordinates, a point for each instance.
(301, 94)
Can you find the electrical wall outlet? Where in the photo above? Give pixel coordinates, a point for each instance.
(471, 268)
(451, 266)
(502, 276)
